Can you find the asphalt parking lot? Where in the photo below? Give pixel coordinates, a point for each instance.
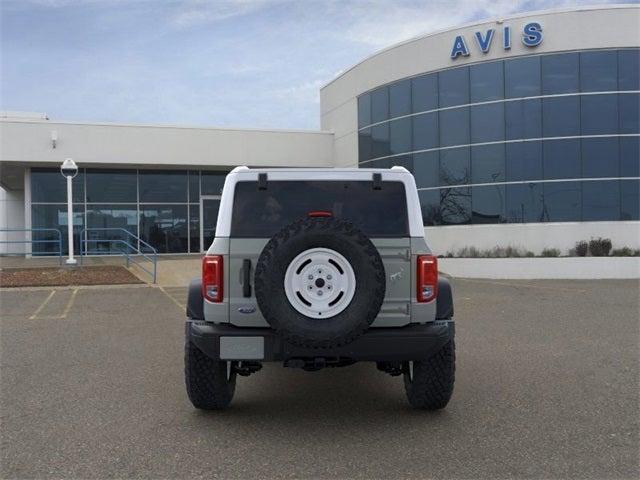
(546, 387)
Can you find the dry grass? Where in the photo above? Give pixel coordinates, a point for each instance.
(59, 276)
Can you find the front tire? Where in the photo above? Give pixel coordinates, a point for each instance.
(210, 384)
(429, 383)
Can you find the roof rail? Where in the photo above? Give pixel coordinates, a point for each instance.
(399, 169)
(240, 168)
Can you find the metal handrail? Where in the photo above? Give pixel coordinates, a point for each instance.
(32, 241)
(151, 256)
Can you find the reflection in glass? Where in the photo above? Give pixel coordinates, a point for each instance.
(48, 185)
(194, 186)
(194, 227)
(487, 81)
(109, 186)
(560, 73)
(524, 203)
(630, 200)
(600, 157)
(601, 200)
(424, 93)
(630, 157)
(426, 169)
(163, 186)
(562, 202)
(523, 119)
(364, 110)
(454, 127)
(454, 166)
(165, 227)
(523, 161)
(365, 147)
(629, 69)
(598, 71)
(453, 87)
(488, 204)
(113, 217)
(212, 182)
(379, 104)
(629, 113)
(209, 219)
(380, 141)
(400, 98)
(561, 159)
(425, 131)
(400, 135)
(599, 114)
(561, 116)
(522, 77)
(55, 216)
(487, 164)
(430, 206)
(455, 205)
(487, 123)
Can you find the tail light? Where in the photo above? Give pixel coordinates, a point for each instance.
(320, 213)
(212, 278)
(427, 288)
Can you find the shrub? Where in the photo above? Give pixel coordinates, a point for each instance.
(625, 252)
(529, 253)
(581, 248)
(550, 252)
(600, 247)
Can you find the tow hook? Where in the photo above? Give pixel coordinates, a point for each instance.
(244, 369)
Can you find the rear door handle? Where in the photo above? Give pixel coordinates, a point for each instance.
(246, 278)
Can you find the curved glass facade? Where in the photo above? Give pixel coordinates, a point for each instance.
(545, 138)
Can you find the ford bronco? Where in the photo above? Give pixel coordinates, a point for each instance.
(319, 268)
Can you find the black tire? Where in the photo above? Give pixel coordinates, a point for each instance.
(432, 384)
(320, 232)
(208, 385)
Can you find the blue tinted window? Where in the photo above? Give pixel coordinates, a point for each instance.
(630, 200)
(561, 159)
(453, 87)
(49, 186)
(425, 131)
(455, 205)
(165, 227)
(522, 77)
(400, 99)
(454, 166)
(560, 73)
(430, 206)
(487, 164)
(523, 119)
(599, 114)
(194, 186)
(380, 141)
(561, 116)
(107, 186)
(379, 105)
(426, 168)
(212, 182)
(630, 156)
(400, 135)
(364, 110)
(601, 200)
(364, 145)
(487, 123)
(487, 81)
(629, 69)
(454, 127)
(53, 216)
(524, 203)
(488, 204)
(523, 161)
(424, 92)
(599, 71)
(600, 157)
(163, 186)
(629, 112)
(562, 202)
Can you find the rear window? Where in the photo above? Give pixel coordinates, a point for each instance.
(262, 213)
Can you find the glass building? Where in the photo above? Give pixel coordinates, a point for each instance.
(544, 138)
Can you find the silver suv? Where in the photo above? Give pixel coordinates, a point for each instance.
(319, 268)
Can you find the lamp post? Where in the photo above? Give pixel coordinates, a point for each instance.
(69, 169)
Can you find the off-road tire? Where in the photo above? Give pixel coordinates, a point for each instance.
(207, 384)
(432, 384)
(320, 232)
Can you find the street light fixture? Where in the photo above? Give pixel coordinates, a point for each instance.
(69, 169)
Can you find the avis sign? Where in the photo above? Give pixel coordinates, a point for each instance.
(531, 37)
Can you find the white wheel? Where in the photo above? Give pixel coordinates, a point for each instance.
(319, 283)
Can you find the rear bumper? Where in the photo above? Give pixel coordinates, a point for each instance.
(413, 342)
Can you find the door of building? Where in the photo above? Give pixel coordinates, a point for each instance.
(209, 205)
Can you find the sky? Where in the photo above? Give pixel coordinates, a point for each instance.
(227, 63)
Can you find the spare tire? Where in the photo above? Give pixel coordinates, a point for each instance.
(320, 282)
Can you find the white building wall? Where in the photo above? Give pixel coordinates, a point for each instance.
(11, 217)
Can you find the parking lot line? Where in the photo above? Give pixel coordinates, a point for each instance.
(69, 304)
(180, 305)
(42, 305)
